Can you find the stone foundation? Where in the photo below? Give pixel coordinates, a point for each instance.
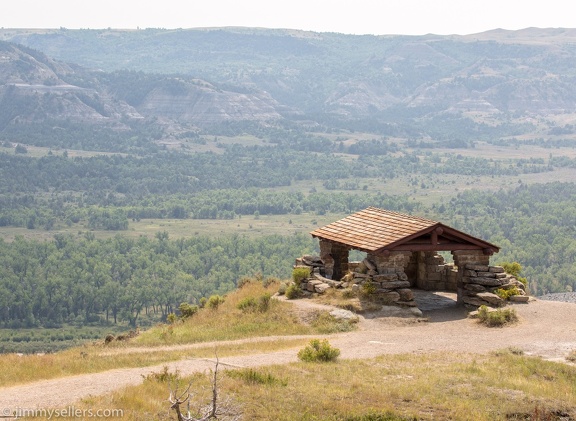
(479, 282)
(385, 276)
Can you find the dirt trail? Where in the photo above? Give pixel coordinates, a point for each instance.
(546, 329)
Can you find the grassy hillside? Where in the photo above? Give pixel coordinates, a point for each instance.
(502, 385)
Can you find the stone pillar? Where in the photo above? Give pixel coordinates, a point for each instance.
(335, 258)
(464, 257)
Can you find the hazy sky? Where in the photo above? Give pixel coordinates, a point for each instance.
(412, 17)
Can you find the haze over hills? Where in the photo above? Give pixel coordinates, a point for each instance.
(494, 84)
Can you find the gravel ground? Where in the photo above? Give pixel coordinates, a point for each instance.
(566, 297)
(546, 329)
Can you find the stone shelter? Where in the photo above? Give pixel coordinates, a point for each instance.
(402, 253)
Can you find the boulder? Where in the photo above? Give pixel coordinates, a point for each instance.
(321, 288)
(474, 301)
(519, 298)
(314, 261)
(396, 311)
(342, 314)
(490, 298)
(310, 286)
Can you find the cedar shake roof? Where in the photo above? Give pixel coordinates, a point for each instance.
(376, 230)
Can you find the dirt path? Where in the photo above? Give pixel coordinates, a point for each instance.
(546, 329)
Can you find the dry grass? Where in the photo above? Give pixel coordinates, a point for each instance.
(207, 329)
(15, 369)
(426, 387)
(227, 322)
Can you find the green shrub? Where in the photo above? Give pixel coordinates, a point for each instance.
(187, 310)
(514, 269)
(244, 281)
(368, 288)
(171, 318)
(318, 351)
(270, 280)
(282, 288)
(300, 274)
(293, 291)
(251, 304)
(505, 294)
(496, 318)
(214, 301)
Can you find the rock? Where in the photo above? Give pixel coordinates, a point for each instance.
(489, 282)
(406, 294)
(386, 277)
(478, 268)
(471, 273)
(388, 296)
(395, 311)
(409, 303)
(342, 314)
(321, 288)
(312, 260)
(334, 284)
(310, 286)
(519, 298)
(369, 265)
(474, 287)
(395, 284)
(497, 269)
(474, 301)
(486, 274)
(490, 298)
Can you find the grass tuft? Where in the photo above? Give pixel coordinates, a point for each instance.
(318, 351)
(496, 318)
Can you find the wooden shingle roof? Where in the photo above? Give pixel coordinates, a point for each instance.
(375, 230)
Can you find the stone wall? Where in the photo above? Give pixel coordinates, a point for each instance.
(432, 273)
(479, 282)
(381, 276)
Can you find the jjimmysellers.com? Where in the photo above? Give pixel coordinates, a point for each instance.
(54, 413)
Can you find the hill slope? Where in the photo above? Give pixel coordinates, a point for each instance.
(412, 85)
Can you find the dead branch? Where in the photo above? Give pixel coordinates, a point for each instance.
(217, 409)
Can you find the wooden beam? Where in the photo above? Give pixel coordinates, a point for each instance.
(436, 247)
